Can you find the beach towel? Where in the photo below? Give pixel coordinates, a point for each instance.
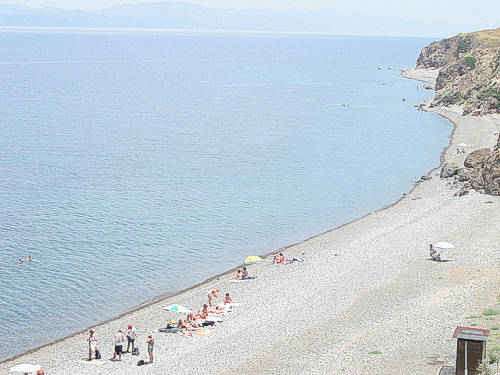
(238, 281)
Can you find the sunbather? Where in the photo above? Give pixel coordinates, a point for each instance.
(239, 275)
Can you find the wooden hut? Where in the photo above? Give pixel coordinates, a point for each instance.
(471, 349)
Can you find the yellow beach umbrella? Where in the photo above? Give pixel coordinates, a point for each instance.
(252, 259)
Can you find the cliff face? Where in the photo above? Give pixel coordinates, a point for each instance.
(469, 71)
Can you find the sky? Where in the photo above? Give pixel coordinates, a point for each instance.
(417, 7)
(444, 17)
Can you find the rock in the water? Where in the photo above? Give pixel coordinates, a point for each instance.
(449, 170)
(476, 158)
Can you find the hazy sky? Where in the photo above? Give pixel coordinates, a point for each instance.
(419, 17)
(392, 6)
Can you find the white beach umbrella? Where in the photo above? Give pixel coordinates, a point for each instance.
(444, 246)
(178, 308)
(25, 368)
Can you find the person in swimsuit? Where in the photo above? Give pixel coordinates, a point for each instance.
(279, 258)
(30, 258)
(227, 299)
(151, 343)
(20, 261)
(212, 293)
(92, 340)
(244, 273)
(119, 340)
(239, 275)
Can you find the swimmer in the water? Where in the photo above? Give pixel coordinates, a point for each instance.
(20, 261)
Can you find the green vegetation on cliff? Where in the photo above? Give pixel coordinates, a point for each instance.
(469, 71)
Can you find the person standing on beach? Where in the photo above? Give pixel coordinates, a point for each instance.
(119, 339)
(151, 343)
(212, 293)
(92, 340)
(131, 336)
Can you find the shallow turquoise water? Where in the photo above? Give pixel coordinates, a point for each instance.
(136, 164)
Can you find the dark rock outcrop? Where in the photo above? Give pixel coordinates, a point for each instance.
(481, 172)
(449, 170)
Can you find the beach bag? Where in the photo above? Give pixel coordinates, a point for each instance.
(207, 323)
(97, 354)
(135, 351)
(141, 362)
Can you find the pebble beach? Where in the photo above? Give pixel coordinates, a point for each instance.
(366, 299)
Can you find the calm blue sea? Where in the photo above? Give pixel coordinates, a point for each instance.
(136, 164)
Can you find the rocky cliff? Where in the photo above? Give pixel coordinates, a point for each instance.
(469, 71)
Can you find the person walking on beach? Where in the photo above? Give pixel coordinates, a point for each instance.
(119, 339)
(92, 340)
(151, 343)
(131, 336)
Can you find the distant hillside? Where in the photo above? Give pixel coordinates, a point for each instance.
(192, 16)
(469, 71)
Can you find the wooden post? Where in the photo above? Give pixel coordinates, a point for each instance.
(465, 369)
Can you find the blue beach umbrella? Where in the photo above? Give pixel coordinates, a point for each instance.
(178, 308)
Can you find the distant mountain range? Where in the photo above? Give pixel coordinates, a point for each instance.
(192, 16)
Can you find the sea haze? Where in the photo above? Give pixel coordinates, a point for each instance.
(135, 164)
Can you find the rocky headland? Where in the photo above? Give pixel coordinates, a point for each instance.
(468, 75)
(469, 71)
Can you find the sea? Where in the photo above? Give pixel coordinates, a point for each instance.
(135, 164)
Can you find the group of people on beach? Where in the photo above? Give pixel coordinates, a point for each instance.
(243, 275)
(29, 259)
(119, 340)
(194, 323)
(206, 317)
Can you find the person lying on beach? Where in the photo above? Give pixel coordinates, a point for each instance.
(191, 320)
(279, 258)
(182, 326)
(212, 293)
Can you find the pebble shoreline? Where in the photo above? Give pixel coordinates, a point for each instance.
(364, 287)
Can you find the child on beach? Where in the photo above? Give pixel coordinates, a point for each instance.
(227, 299)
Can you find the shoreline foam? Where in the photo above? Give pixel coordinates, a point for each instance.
(347, 303)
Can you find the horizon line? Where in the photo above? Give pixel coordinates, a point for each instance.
(146, 30)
